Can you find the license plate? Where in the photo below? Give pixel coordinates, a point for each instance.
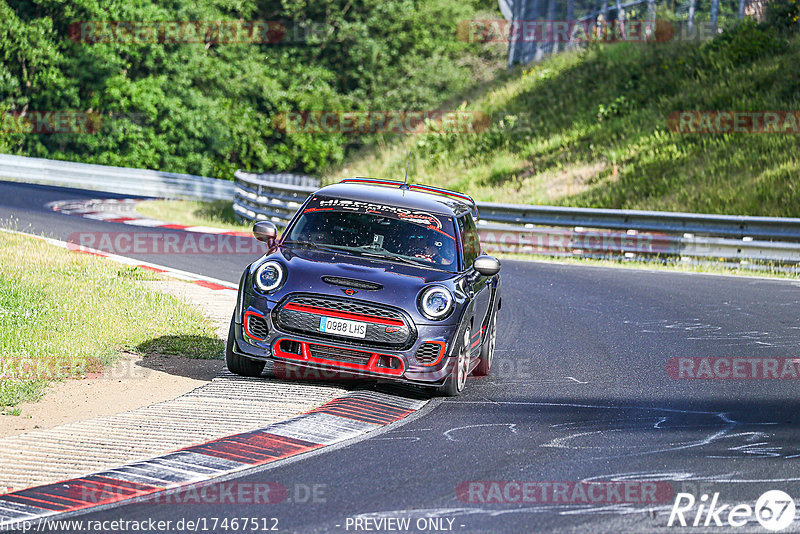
(342, 327)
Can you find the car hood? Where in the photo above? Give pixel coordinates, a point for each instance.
(401, 283)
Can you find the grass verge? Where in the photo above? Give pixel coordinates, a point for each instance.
(217, 214)
(63, 315)
(591, 129)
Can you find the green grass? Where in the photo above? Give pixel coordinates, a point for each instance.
(217, 214)
(64, 314)
(589, 128)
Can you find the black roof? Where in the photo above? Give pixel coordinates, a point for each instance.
(394, 196)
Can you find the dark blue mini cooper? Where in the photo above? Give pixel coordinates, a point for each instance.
(373, 279)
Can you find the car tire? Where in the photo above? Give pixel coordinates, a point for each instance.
(455, 383)
(238, 364)
(484, 366)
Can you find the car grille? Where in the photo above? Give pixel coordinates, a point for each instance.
(428, 353)
(341, 355)
(386, 327)
(257, 326)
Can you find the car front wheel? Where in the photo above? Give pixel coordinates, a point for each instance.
(238, 364)
(484, 366)
(455, 383)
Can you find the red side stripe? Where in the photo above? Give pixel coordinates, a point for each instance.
(254, 447)
(155, 269)
(210, 285)
(38, 503)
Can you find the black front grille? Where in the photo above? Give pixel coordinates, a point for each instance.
(428, 352)
(341, 355)
(348, 306)
(351, 282)
(386, 327)
(257, 326)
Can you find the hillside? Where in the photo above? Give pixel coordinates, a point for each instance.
(592, 129)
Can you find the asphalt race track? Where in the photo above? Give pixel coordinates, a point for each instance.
(580, 391)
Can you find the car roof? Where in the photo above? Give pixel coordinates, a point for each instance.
(394, 196)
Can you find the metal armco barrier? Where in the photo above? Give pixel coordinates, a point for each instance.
(739, 226)
(579, 242)
(270, 197)
(140, 182)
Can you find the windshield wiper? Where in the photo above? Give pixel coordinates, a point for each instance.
(371, 251)
(311, 244)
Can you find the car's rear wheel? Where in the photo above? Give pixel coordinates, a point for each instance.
(238, 364)
(455, 383)
(484, 366)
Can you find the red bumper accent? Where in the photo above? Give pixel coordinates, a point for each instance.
(305, 356)
(442, 348)
(246, 322)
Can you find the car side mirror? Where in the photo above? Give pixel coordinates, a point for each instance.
(265, 231)
(486, 265)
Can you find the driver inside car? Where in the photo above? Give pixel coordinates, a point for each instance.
(435, 249)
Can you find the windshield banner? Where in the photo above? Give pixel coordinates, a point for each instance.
(404, 214)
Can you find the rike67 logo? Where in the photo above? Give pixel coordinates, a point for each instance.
(774, 510)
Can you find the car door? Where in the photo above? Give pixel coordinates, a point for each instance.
(481, 289)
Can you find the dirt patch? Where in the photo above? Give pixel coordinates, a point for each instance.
(135, 381)
(570, 180)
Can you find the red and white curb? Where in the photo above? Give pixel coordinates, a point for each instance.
(205, 281)
(349, 416)
(124, 211)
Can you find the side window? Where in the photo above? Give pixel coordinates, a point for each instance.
(469, 239)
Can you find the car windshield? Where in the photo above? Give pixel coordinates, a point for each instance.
(395, 234)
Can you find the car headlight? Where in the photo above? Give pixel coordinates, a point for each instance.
(436, 302)
(269, 276)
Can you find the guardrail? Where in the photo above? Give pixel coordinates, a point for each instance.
(581, 232)
(271, 197)
(122, 180)
(510, 228)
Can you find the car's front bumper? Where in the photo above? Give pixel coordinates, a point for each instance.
(331, 358)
